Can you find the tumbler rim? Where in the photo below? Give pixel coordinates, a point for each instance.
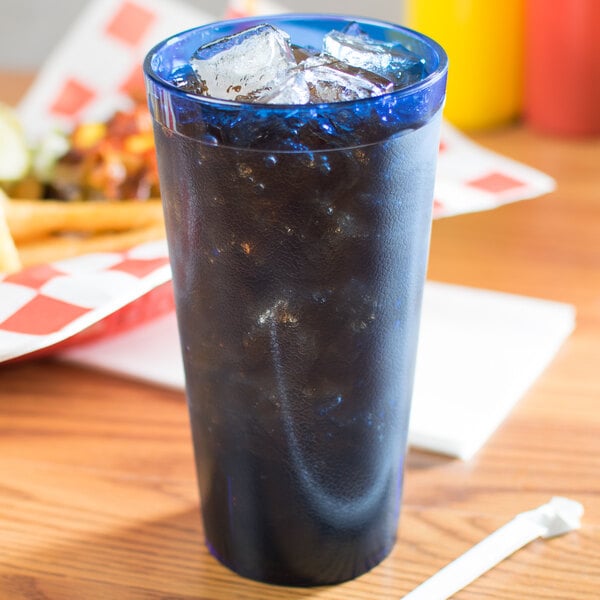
(438, 72)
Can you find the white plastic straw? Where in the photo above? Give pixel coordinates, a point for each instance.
(558, 516)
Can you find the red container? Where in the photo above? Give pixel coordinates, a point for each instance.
(562, 66)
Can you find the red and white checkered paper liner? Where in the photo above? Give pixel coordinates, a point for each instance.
(92, 72)
(98, 63)
(45, 305)
(471, 178)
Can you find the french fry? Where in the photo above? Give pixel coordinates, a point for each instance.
(32, 219)
(59, 247)
(9, 256)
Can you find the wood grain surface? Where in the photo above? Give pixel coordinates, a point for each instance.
(97, 492)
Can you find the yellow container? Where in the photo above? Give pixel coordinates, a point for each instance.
(484, 41)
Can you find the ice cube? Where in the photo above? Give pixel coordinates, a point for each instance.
(321, 78)
(330, 80)
(245, 64)
(292, 90)
(392, 60)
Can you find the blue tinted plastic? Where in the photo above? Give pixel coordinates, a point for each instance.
(298, 239)
(284, 127)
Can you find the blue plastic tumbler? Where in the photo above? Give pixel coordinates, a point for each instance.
(298, 238)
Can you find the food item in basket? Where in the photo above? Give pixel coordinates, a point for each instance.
(34, 219)
(100, 194)
(52, 248)
(37, 231)
(48, 231)
(9, 255)
(14, 154)
(112, 160)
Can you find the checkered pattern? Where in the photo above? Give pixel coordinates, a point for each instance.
(130, 23)
(97, 66)
(44, 305)
(470, 178)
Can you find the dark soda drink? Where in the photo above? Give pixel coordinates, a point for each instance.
(298, 238)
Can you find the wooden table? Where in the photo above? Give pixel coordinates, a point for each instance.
(97, 492)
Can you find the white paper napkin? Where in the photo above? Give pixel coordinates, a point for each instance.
(479, 352)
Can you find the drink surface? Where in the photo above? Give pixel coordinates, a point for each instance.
(298, 238)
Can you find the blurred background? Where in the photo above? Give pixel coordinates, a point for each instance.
(26, 47)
